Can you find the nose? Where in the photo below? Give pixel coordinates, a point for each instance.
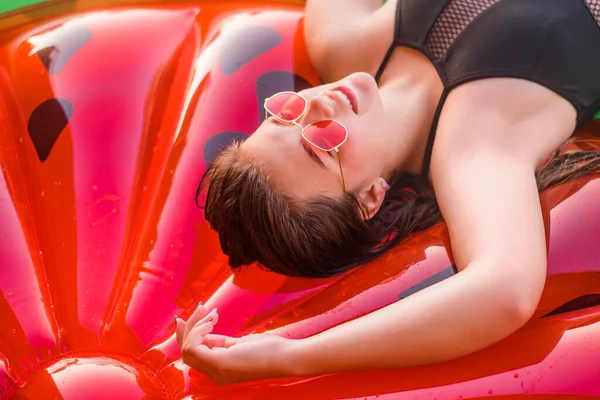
(318, 109)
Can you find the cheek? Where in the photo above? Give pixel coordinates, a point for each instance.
(369, 136)
(360, 154)
(366, 149)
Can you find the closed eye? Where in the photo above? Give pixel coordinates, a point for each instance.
(305, 145)
(311, 152)
(272, 120)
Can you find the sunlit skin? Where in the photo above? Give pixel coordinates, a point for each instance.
(282, 151)
(492, 133)
(373, 151)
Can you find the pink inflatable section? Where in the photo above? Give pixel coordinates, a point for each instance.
(109, 113)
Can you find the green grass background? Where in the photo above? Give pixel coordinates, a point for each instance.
(9, 5)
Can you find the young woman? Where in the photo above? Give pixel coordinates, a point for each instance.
(471, 96)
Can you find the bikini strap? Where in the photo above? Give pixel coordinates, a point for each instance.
(432, 132)
(393, 45)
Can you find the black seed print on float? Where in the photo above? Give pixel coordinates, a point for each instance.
(218, 142)
(245, 45)
(46, 123)
(273, 82)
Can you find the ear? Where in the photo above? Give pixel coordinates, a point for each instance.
(372, 197)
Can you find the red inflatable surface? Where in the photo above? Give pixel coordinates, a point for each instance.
(109, 112)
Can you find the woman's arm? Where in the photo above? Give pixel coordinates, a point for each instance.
(497, 233)
(490, 138)
(483, 174)
(491, 204)
(329, 11)
(346, 36)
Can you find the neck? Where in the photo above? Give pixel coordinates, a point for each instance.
(410, 90)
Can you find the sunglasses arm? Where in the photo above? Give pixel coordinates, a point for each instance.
(337, 151)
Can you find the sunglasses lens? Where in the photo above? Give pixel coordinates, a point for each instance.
(325, 135)
(287, 106)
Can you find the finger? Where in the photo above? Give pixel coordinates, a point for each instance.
(211, 340)
(179, 330)
(212, 316)
(196, 335)
(202, 358)
(199, 313)
(200, 310)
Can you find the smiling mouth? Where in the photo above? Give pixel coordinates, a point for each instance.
(347, 96)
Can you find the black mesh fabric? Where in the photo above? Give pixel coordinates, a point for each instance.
(456, 16)
(594, 6)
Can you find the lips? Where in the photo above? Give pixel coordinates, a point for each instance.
(348, 97)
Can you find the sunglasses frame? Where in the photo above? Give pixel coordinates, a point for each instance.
(302, 129)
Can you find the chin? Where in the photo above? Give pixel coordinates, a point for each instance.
(362, 81)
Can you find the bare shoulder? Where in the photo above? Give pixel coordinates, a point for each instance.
(344, 36)
(520, 117)
(492, 134)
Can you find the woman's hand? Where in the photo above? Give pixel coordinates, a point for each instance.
(226, 359)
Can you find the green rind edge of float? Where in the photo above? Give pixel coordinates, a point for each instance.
(10, 5)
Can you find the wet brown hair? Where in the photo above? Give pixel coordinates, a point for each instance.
(326, 236)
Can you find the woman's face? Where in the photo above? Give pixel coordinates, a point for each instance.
(303, 171)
